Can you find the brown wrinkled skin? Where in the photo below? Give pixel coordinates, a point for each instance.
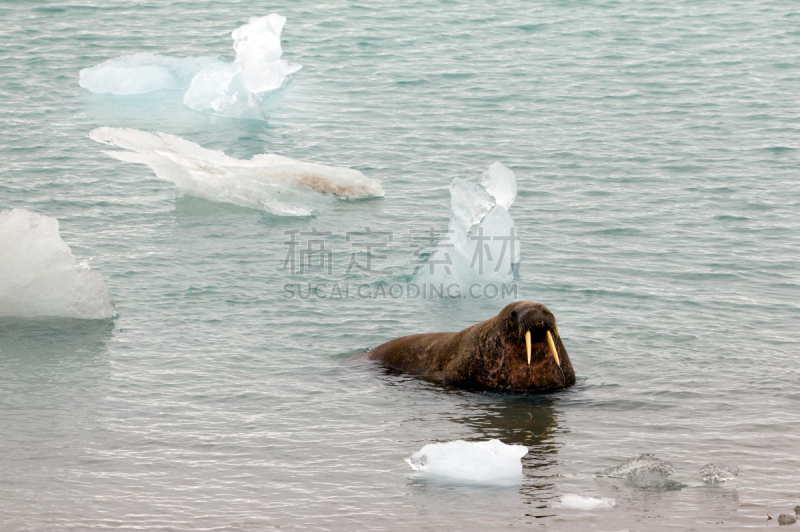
(489, 355)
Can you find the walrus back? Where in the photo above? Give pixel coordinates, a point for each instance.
(426, 353)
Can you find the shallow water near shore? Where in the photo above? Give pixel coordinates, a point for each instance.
(656, 152)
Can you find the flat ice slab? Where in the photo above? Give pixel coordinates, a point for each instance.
(483, 462)
(142, 73)
(39, 275)
(276, 184)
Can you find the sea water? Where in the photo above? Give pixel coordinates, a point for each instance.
(656, 155)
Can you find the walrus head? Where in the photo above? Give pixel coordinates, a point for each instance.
(521, 350)
(533, 324)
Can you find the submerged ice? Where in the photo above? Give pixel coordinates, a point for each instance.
(211, 83)
(481, 242)
(485, 462)
(39, 275)
(576, 502)
(276, 184)
(716, 473)
(644, 471)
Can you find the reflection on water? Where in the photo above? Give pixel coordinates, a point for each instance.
(54, 377)
(50, 373)
(513, 419)
(531, 421)
(48, 340)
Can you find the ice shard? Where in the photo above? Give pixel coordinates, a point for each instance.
(481, 243)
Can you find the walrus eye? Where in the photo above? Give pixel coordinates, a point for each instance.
(514, 315)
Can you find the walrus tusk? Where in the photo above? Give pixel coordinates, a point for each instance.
(528, 345)
(552, 348)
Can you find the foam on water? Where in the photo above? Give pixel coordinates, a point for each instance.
(39, 275)
(211, 84)
(576, 502)
(485, 462)
(276, 184)
(481, 242)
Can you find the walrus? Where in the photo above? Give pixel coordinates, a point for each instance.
(519, 350)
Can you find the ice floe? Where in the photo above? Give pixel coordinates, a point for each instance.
(576, 502)
(276, 184)
(483, 462)
(211, 83)
(39, 275)
(143, 73)
(716, 473)
(481, 242)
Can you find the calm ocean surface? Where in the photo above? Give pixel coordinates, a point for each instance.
(657, 152)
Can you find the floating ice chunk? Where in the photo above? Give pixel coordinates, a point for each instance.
(481, 243)
(716, 473)
(39, 275)
(142, 73)
(236, 89)
(500, 250)
(211, 84)
(469, 204)
(258, 51)
(279, 185)
(218, 90)
(501, 183)
(576, 502)
(644, 471)
(485, 462)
